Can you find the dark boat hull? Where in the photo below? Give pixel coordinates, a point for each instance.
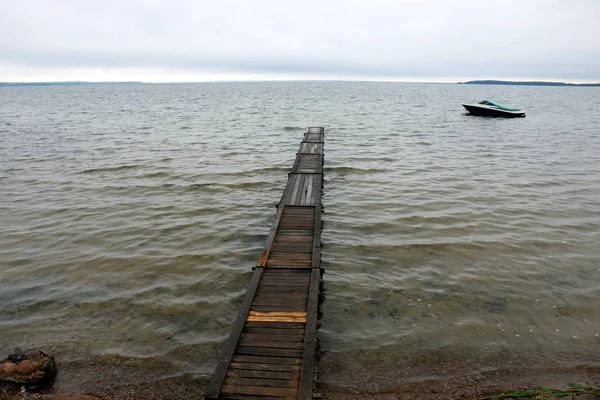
(492, 112)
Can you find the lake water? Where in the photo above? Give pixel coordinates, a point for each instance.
(459, 251)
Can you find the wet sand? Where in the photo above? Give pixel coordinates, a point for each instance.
(435, 375)
(426, 376)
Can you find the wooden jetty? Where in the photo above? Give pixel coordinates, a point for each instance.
(270, 352)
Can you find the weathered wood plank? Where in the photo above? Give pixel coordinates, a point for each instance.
(296, 190)
(284, 284)
(279, 300)
(280, 296)
(316, 252)
(274, 281)
(288, 264)
(274, 305)
(232, 396)
(285, 274)
(257, 390)
(274, 329)
(289, 255)
(250, 359)
(263, 351)
(276, 319)
(284, 383)
(251, 325)
(309, 188)
(283, 314)
(272, 336)
(271, 343)
(262, 374)
(271, 307)
(283, 289)
(296, 276)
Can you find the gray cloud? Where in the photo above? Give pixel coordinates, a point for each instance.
(391, 38)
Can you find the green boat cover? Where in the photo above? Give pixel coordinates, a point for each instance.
(499, 104)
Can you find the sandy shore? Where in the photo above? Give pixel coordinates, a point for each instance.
(426, 376)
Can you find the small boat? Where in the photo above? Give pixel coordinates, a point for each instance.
(493, 108)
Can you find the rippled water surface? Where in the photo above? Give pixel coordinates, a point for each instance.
(131, 216)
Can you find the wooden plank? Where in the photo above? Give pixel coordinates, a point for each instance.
(291, 255)
(300, 276)
(309, 188)
(276, 319)
(283, 289)
(262, 351)
(270, 304)
(293, 243)
(281, 297)
(272, 343)
(298, 229)
(282, 383)
(261, 374)
(249, 359)
(294, 237)
(266, 325)
(278, 301)
(296, 188)
(282, 258)
(288, 264)
(288, 259)
(232, 396)
(308, 357)
(290, 368)
(212, 392)
(289, 273)
(299, 298)
(283, 281)
(302, 193)
(296, 276)
(274, 330)
(302, 198)
(313, 137)
(262, 261)
(273, 303)
(291, 279)
(285, 314)
(258, 390)
(317, 186)
(272, 336)
(288, 291)
(302, 249)
(271, 307)
(316, 253)
(299, 257)
(273, 283)
(286, 240)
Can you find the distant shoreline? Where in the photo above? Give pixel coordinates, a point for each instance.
(66, 83)
(475, 82)
(527, 83)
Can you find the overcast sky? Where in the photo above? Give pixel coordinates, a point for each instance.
(206, 40)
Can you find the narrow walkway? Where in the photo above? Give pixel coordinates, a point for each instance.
(271, 350)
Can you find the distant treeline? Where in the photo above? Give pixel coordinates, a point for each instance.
(530, 83)
(68, 83)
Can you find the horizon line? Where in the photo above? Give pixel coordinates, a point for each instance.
(289, 80)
